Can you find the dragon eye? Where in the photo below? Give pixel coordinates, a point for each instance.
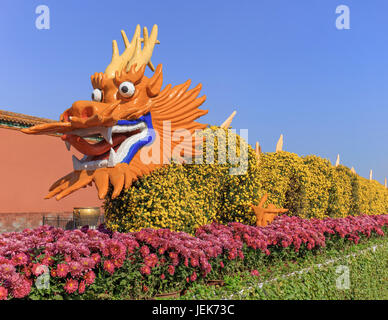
(127, 89)
(97, 95)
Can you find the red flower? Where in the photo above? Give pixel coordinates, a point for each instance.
(145, 270)
(173, 255)
(151, 260)
(20, 259)
(37, 269)
(255, 273)
(89, 277)
(54, 273)
(109, 266)
(71, 286)
(162, 276)
(3, 293)
(118, 262)
(194, 262)
(96, 257)
(193, 277)
(62, 270)
(75, 268)
(81, 287)
(171, 269)
(22, 288)
(48, 261)
(144, 251)
(26, 271)
(117, 249)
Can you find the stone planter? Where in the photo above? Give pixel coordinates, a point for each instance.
(90, 216)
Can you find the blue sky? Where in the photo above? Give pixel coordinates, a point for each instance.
(282, 65)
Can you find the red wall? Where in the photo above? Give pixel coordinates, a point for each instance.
(28, 166)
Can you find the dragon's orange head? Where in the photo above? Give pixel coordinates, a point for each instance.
(128, 117)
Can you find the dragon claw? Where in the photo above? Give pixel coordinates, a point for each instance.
(265, 216)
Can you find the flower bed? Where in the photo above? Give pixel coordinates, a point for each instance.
(97, 264)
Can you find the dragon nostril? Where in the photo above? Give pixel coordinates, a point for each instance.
(65, 117)
(87, 112)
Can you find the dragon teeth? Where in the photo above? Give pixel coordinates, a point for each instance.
(77, 164)
(88, 165)
(121, 129)
(106, 132)
(113, 159)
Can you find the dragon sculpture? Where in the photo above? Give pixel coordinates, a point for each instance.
(128, 110)
(127, 114)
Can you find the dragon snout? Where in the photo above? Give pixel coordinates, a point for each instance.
(84, 109)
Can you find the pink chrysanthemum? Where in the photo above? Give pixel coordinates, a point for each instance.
(194, 262)
(109, 266)
(75, 268)
(87, 263)
(20, 259)
(144, 251)
(6, 269)
(117, 249)
(37, 269)
(89, 277)
(118, 262)
(48, 261)
(255, 273)
(54, 273)
(96, 257)
(62, 270)
(173, 255)
(3, 293)
(151, 260)
(27, 272)
(22, 288)
(81, 287)
(71, 286)
(193, 277)
(171, 269)
(145, 270)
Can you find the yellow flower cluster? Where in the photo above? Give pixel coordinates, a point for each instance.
(313, 188)
(183, 197)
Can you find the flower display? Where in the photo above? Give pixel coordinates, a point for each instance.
(77, 257)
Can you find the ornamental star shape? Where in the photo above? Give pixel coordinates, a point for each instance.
(265, 216)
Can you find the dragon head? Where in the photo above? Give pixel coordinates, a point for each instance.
(127, 114)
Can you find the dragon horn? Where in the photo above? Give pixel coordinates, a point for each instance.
(227, 122)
